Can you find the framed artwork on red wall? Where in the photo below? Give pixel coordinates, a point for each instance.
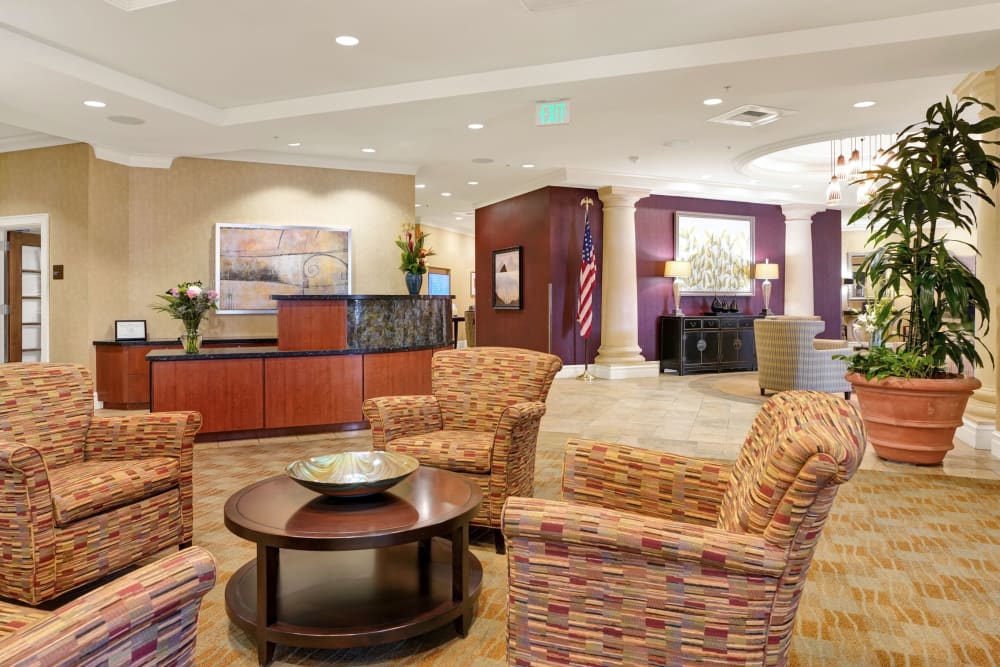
(508, 289)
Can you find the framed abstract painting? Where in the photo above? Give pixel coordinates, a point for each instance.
(508, 289)
(252, 262)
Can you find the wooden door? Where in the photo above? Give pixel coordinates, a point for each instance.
(24, 297)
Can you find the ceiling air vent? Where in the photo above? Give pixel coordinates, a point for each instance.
(750, 115)
(535, 6)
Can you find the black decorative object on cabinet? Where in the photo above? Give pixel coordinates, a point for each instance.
(708, 343)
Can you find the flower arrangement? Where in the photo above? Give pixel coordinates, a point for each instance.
(414, 254)
(877, 318)
(188, 302)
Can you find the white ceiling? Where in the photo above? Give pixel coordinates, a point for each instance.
(240, 79)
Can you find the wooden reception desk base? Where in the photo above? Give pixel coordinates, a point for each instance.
(253, 392)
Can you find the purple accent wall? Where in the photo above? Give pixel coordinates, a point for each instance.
(654, 236)
(827, 271)
(548, 223)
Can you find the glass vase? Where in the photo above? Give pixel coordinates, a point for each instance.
(191, 341)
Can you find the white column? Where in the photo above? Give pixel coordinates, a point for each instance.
(798, 278)
(979, 423)
(619, 288)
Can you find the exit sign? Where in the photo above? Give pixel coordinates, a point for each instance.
(552, 113)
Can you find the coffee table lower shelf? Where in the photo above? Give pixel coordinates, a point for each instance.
(344, 599)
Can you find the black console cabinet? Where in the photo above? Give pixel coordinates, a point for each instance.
(707, 343)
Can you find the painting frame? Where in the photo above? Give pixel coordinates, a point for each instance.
(509, 294)
(253, 261)
(721, 251)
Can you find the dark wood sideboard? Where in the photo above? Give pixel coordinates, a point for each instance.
(701, 343)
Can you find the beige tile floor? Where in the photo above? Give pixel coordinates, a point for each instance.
(668, 413)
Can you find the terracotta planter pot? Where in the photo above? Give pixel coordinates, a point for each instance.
(912, 420)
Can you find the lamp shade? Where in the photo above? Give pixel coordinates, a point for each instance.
(766, 271)
(676, 269)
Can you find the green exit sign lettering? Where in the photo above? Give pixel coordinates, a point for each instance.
(552, 113)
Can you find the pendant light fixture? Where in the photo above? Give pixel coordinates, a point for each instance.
(833, 195)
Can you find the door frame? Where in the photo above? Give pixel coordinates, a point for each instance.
(39, 223)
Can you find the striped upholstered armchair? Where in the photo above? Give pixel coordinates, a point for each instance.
(659, 559)
(789, 356)
(83, 496)
(481, 421)
(146, 617)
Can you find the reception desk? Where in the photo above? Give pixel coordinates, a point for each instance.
(333, 352)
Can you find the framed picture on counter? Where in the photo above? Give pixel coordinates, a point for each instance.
(130, 329)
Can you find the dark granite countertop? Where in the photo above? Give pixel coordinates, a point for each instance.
(265, 352)
(206, 341)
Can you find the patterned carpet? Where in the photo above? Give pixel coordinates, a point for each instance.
(907, 573)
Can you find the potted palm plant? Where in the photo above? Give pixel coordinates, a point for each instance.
(913, 391)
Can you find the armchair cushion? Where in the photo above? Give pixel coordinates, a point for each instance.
(461, 451)
(94, 487)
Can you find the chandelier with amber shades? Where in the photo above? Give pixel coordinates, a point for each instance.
(866, 153)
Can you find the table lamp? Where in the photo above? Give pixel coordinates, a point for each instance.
(676, 269)
(766, 271)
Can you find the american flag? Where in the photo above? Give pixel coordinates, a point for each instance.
(588, 278)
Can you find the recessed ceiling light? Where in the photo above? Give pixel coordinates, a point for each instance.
(472, 183)
(528, 165)
(367, 150)
(445, 194)
(420, 186)
(94, 104)
(864, 104)
(295, 144)
(417, 205)
(796, 185)
(348, 40)
(458, 217)
(475, 126)
(711, 101)
(707, 177)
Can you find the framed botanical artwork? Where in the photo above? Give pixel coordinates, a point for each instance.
(508, 289)
(130, 329)
(858, 290)
(252, 262)
(721, 252)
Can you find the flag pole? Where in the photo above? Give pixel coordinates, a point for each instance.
(586, 375)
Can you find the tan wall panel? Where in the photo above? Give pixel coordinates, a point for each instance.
(108, 236)
(174, 212)
(452, 251)
(55, 181)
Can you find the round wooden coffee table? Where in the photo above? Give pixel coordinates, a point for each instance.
(354, 572)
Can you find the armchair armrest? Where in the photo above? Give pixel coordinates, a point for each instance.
(393, 417)
(514, 446)
(155, 607)
(27, 532)
(647, 482)
(649, 538)
(142, 436)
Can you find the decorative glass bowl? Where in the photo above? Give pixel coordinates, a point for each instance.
(350, 474)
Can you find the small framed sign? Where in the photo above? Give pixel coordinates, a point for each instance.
(130, 329)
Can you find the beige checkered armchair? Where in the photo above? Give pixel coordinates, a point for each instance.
(481, 421)
(83, 496)
(146, 617)
(789, 356)
(659, 559)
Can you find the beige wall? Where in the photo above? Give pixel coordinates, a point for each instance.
(456, 252)
(55, 181)
(125, 234)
